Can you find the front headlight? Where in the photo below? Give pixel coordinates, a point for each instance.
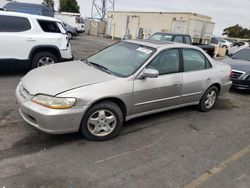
(54, 102)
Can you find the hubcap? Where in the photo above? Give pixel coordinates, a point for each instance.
(210, 99)
(44, 61)
(101, 123)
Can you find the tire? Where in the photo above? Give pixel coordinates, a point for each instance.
(206, 105)
(103, 121)
(224, 46)
(41, 56)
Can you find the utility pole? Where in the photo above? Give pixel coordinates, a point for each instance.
(100, 8)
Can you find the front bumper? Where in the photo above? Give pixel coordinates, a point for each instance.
(67, 59)
(52, 121)
(66, 54)
(241, 84)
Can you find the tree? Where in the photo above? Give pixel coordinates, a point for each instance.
(237, 31)
(69, 6)
(50, 3)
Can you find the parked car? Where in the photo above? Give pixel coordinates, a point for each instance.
(32, 40)
(124, 81)
(181, 38)
(29, 8)
(73, 19)
(226, 43)
(237, 47)
(72, 31)
(240, 63)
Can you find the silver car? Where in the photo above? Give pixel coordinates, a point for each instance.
(124, 81)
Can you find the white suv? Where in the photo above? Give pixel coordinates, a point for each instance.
(32, 40)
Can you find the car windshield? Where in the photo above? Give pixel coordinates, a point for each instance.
(122, 59)
(161, 36)
(242, 55)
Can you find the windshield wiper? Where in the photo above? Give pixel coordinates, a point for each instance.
(86, 61)
(100, 67)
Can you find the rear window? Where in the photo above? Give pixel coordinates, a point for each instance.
(49, 26)
(79, 19)
(188, 40)
(179, 39)
(161, 36)
(14, 24)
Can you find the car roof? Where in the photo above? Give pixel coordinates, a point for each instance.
(15, 3)
(18, 14)
(161, 44)
(170, 33)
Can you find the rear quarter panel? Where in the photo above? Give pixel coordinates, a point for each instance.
(221, 75)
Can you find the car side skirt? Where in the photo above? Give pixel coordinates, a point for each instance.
(13, 65)
(160, 110)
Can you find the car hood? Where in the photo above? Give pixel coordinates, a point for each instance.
(58, 78)
(237, 64)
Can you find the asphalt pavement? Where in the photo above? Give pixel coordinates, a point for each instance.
(174, 149)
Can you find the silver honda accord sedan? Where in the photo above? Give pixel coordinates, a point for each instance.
(124, 81)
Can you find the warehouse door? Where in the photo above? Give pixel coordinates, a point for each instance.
(178, 26)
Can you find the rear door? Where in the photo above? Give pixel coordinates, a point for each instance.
(157, 93)
(196, 75)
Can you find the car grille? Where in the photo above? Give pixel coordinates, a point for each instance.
(236, 74)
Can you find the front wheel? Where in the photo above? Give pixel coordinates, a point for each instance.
(102, 121)
(209, 99)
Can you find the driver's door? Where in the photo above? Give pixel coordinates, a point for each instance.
(164, 91)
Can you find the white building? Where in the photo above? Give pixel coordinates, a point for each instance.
(143, 24)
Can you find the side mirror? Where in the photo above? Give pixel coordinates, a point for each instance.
(150, 73)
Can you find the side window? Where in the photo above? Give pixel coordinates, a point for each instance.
(194, 60)
(14, 24)
(179, 39)
(241, 43)
(166, 62)
(49, 26)
(188, 40)
(214, 41)
(62, 28)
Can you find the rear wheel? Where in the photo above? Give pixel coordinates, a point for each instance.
(43, 59)
(102, 121)
(209, 99)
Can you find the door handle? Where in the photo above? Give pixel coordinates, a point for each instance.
(176, 84)
(31, 40)
(208, 79)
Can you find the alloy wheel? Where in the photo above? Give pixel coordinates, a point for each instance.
(210, 99)
(44, 61)
(101, 123)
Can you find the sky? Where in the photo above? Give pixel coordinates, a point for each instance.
(225, 13)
